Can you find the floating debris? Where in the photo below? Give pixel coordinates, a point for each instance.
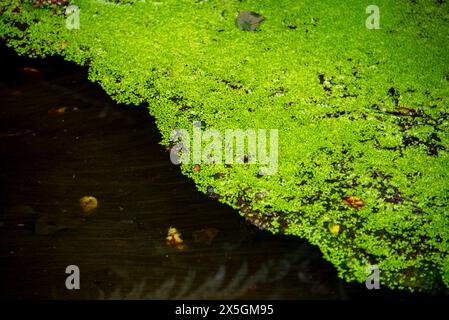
(260, 195)
(29, 71)
(197, 168)
(249, 21)
(221, 174)
(64, 44)
(211, 193)
(88, 205)
(57, 110)
(404, 111)
(353, 202)
(62, 110)
(292, 26)
(261, 222)
(174, 239)
(392, 92)
(206, 235)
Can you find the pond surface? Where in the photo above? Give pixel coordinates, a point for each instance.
(62, 138)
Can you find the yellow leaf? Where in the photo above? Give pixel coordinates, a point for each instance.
(334, 228)
(88, 205)
(174, 239)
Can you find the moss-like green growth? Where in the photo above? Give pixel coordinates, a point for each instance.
(362, 113)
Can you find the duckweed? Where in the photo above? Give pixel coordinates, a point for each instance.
(361, 112)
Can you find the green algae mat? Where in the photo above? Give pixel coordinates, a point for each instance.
(355, 112)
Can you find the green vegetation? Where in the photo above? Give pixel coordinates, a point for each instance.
(360, 112)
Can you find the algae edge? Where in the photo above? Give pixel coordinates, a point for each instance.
(360, 113)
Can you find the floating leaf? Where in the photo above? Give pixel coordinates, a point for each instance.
(353, 202)
(88, 205)
(334, 229)
(64, 44)
(174, 239)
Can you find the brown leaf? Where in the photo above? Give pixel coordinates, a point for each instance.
(353, 202)
(174, 239)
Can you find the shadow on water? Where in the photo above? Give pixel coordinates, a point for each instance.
(50, 157)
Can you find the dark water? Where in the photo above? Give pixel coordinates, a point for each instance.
(48, 160)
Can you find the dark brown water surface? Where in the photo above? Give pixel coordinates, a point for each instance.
(49, 159)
